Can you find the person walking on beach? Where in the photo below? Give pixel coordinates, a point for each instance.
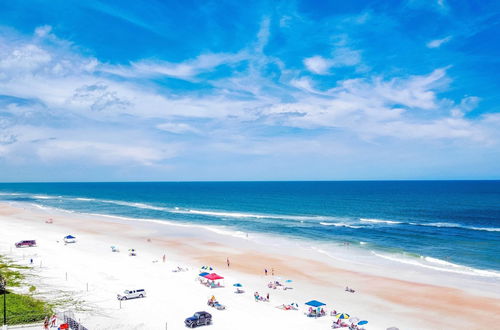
(164, 258)
(272, 271)
(265, 271)
(53, 321)
(228, 264)
(267, 297)
(46, 323)
(31, 261)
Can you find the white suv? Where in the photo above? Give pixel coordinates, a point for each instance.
(129, 294)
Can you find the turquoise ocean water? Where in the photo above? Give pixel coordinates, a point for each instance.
(449, 225)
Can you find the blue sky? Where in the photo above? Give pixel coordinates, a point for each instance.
(273, 90)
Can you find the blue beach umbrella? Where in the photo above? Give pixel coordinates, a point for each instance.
(315, 303)
(203, 274)
(288, 281)
(362, 322)
(238, 285)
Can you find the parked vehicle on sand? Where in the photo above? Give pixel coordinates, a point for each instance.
(131, 294)
(199, 318)
(27, 243)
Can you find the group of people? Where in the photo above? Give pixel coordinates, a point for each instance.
(277, 285)
(50, 321)
(348, 289)
(272, 271)
(316, 312)
(260, 298)
(210, 284)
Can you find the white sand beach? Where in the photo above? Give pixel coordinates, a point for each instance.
(92, 275)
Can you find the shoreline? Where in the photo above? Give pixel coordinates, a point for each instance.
(314, 278)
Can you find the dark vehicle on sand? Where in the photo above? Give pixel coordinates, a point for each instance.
(199, 318)
(28, 243)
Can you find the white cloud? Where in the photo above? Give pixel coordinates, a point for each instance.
(27, 57)
(341, 57)
(438, 42)
(318, 64)
(102, 153)
(184, 70)
(43, 31)
(177, 128)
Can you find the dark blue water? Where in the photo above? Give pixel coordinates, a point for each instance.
(453, 221)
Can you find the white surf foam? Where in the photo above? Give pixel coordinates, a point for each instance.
(439, 265)
(339, 224)
(389, 222)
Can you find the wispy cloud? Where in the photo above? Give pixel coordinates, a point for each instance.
(438, 42)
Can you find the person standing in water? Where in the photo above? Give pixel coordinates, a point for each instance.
(228, 264)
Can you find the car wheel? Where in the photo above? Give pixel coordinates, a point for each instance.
(192, 325)
(124, 298)
(141, 296)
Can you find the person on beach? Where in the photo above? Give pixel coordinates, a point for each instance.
(164, 258)
(265, 271)
(267, 297)
(31, 261)
(272, 271)
(227, 262)
(46, 322)
(53, 321)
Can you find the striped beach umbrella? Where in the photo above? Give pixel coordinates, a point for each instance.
(342, 316)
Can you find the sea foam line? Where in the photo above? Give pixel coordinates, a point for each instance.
(445, 265)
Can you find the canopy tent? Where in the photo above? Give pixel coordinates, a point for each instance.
(315, 303)
(213, 277)
(203, 274)
(214, 280)
(70, 237)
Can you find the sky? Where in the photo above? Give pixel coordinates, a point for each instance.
(153, 90)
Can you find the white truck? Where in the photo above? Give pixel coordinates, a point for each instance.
(131, 294)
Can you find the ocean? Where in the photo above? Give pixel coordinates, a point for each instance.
(449, 226)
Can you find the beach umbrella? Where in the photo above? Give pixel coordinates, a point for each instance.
(315, 303)
(362, 322)
(238, 285)
(354, 320)
(342, 316)
(288, 281)
(203, 274)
